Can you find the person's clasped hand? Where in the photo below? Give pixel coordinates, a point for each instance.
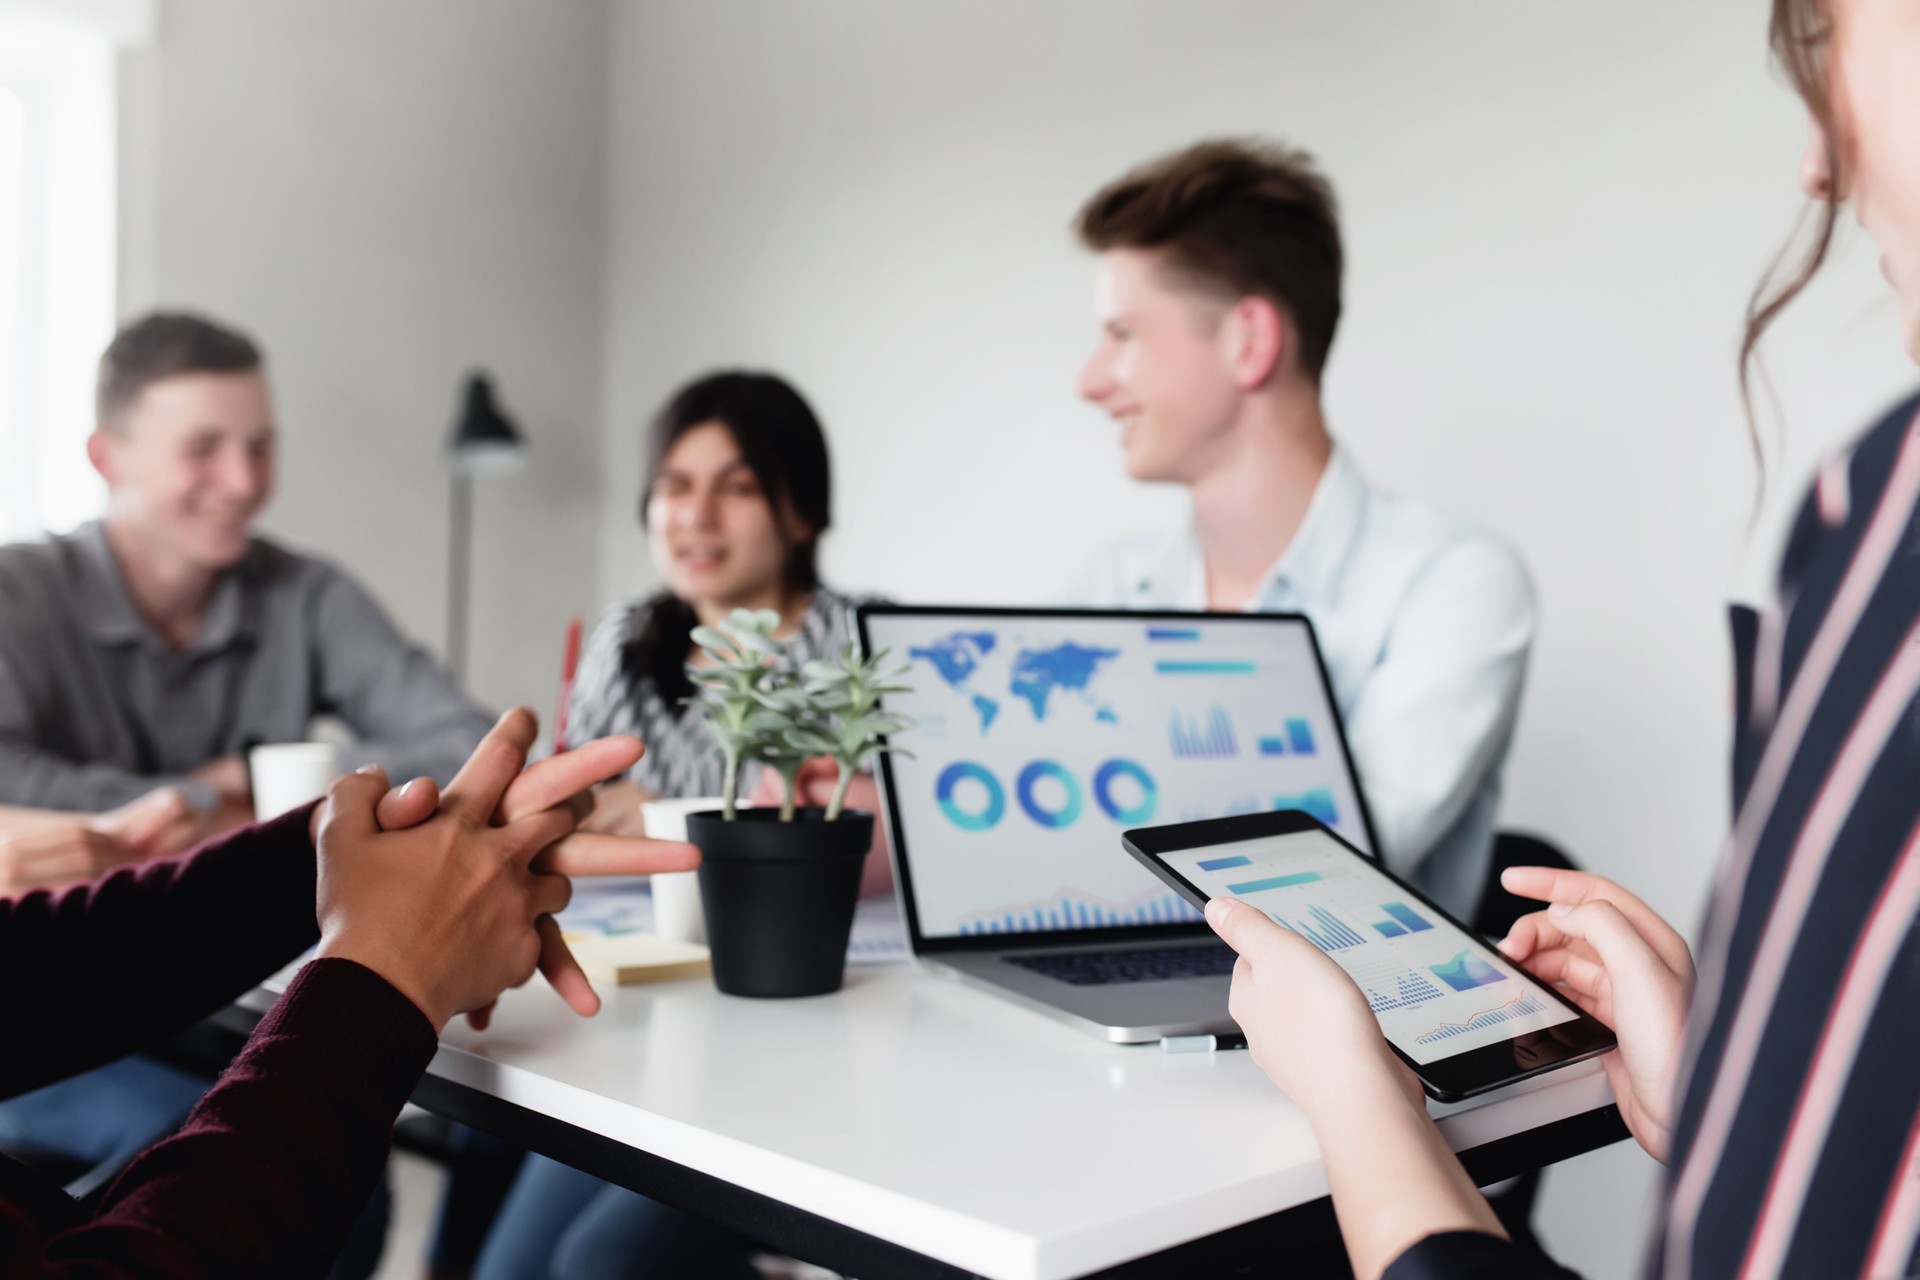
(159, 824)
(1307, 1025)
(450, 898)
(1618, 960)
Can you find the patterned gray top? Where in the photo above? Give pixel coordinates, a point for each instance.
(681, 758)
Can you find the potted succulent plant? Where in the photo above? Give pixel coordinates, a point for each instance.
(779, 885)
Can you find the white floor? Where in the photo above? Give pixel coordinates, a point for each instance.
(1593, 1211)
(416, 1197)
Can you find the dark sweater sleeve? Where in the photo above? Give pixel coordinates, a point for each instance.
(1471, 1255)
(274, 1164)
(99, 970)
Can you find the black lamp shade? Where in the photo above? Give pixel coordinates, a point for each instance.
(484, 442)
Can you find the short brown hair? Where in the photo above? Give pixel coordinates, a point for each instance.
(165, 344)
(1245, 218)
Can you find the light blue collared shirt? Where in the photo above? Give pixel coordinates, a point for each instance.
(1424, 622)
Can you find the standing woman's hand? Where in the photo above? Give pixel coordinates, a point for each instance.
(1307, 1025)
(1617, 959)
(1394, 1179)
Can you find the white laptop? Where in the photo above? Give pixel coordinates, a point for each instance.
(1042, 735)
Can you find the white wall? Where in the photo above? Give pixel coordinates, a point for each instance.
(1554, 215)
(388, 195)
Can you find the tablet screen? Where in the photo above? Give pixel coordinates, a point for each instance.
(1437, 991)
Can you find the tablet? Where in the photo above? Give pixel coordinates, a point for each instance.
(1455, 1010)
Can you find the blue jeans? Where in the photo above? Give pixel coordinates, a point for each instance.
(561, 1224)
(107, 1116)
(111, 1114)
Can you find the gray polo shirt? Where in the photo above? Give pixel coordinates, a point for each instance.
(96, 709)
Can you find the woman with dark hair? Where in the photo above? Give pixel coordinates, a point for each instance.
(1781, 1087)
(738, 493)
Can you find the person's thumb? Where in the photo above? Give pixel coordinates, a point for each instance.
(1246, 929)
(352, 804)
(408, 805)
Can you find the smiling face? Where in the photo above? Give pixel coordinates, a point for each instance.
(1164, 368)
(189, 465)
(714, 533)
(1873, 72)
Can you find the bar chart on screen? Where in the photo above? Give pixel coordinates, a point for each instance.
(1518, 1007)
(1326, 931)
(1297, 740)
(1074, 909)
(1401, 920)
(1407, 990)
(1194, 739)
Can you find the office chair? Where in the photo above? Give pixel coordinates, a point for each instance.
(1498, 909)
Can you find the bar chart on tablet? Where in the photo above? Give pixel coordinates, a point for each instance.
(1518, 1007)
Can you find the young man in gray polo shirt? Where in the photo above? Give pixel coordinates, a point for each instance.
(1218, 296)
(142, 654)
(149, 649)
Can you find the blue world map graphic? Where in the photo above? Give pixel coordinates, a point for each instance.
(1036, 674)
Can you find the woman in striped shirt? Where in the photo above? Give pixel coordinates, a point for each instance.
(738, 493)
(1782, 1087)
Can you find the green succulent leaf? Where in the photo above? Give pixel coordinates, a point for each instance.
(759, 705)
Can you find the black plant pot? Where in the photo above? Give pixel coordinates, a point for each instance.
(779, 897)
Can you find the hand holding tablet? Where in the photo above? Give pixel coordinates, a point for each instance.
(1283, 983)
(1454, 1010)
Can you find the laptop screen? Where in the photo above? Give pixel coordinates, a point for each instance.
(1042, 736)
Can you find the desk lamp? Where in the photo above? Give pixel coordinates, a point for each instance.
(484, 444)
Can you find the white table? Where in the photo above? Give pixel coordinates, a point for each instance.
(908, 1125)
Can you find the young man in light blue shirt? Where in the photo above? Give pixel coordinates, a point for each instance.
(1218, 297)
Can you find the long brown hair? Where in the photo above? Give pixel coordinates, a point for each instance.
(1798, 32)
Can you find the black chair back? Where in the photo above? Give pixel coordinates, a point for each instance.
(1499, 909)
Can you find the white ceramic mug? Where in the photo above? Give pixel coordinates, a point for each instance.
(286, 775)
(676, 894)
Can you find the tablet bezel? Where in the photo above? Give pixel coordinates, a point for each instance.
(1447, 1079)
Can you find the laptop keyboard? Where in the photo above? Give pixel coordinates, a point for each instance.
(1100, 968)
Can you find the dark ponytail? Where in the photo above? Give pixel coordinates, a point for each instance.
(782, 443)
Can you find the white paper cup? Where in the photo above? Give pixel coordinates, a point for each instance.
(288, 774)
(676, 894)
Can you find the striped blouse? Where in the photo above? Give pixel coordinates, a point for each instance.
(681, 759)
(1797, 1144)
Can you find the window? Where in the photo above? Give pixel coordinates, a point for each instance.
(57, 248)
